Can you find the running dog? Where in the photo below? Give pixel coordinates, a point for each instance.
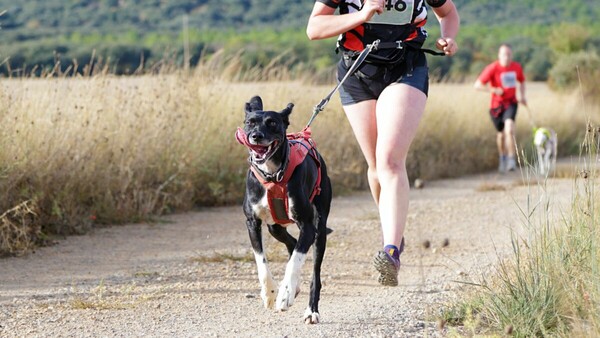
(546, 142)
(287, 183)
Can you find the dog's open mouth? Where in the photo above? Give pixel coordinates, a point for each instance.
(261, 153)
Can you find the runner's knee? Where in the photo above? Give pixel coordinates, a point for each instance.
(509, 126)
(391, 166)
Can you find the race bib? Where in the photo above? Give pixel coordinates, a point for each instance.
(395, 12)
(508, 79)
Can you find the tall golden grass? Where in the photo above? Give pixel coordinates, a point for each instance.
(106, 149)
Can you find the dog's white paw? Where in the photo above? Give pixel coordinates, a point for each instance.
(311, 317)
(267, 293)
(287, 294)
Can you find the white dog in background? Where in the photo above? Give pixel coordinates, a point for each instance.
(546, 142)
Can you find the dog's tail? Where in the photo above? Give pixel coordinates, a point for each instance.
(329, 230)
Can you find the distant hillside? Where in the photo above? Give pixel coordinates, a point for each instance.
(44, 17)
(35, 18)
(32, 31)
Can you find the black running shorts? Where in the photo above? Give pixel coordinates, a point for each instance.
(501, 114)
(370, 80)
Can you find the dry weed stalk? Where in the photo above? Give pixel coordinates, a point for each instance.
(19, 228)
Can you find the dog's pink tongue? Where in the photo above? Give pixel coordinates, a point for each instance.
(261, 150)
(242, 138)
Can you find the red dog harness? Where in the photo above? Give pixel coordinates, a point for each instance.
(300, 145)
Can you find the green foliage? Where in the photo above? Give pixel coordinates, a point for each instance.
(581, 69)
(568, 38)
(131, 32)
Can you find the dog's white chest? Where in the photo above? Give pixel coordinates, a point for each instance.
(262, 210)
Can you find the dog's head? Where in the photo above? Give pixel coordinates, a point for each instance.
(265, 130)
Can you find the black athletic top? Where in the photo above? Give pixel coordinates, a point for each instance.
(402, 20)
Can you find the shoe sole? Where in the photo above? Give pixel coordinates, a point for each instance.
(388, 273)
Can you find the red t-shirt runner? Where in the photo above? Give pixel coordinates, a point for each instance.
(505, 78)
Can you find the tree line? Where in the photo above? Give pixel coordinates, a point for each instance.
(134, 35)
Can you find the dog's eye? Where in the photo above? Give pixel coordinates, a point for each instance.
(272, 124)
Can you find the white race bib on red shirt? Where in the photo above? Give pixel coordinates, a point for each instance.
(509, 79)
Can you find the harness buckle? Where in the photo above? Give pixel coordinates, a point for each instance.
(399, 44)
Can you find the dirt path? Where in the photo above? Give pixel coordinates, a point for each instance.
(193, 276)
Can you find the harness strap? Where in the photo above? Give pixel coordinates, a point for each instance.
(401, 45)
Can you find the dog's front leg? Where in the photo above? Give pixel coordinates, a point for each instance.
(265, 278)
(541, 160)
(290, 286)
(547, 158)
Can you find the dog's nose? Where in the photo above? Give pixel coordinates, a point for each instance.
(257, 136)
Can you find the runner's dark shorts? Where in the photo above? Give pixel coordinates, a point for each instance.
(370, 80)
(501, 114)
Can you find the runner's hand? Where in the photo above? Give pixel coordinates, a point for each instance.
(371, 7)
(447, 45)
(497, 90)
(523, 101)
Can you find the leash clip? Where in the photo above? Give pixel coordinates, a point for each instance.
(279, 176)
(374, 45)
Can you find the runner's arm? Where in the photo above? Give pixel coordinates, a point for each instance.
(485, 87)
(447, 15)
(521, 85)
(323, 24)
(522, 98)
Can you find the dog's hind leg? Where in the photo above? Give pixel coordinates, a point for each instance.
(281, 234)
(265, 277)
(311, 315)
(322, 203)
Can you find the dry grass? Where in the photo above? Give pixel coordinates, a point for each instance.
(275, 254)
(109, 297)
(219, 257)
(19, 228)
(490, 186)
(106, 149)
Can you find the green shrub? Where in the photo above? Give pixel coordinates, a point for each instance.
(578, 70)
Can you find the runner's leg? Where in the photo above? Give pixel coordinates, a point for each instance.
(363, 122)
(509, 137)
(399, 111)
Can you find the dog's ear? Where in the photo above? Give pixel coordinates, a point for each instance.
(255, 104)
(285, 113)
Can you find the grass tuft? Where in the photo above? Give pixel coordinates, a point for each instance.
(19, 228)
(550, 284)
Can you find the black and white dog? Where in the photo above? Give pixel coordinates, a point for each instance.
(305, 200)
(545, 141)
